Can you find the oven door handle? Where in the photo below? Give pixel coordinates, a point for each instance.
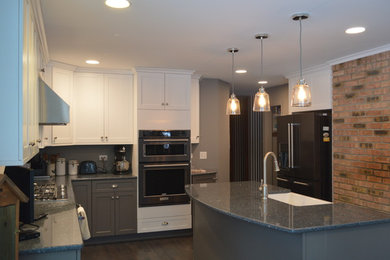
(166, 165)
(166, 140)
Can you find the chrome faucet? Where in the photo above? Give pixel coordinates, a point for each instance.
(263, 187)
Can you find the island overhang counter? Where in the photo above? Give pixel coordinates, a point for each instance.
(232, 221)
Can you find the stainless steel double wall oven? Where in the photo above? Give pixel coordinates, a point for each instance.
(164, 167)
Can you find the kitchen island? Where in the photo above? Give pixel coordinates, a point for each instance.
(232, 221)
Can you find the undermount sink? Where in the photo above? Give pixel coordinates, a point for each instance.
(296, 199)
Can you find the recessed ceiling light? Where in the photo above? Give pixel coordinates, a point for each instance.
(262, 82)
(94, 62)
(241, 71)
(355, 30)
(117, 3)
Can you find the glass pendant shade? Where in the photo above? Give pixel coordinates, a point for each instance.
(233, 106)
(261, 102)
(301, 96)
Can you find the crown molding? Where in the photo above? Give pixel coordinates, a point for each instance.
(162, 70)
(359, 55)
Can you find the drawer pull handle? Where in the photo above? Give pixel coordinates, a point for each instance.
(165, 223)
(114, 186)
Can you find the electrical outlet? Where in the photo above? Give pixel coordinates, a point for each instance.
(103, 157)
(203, 155)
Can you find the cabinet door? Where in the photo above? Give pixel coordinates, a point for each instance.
(195, 132)
(88, 108)
(125, 212)
(103, 214)
(82, 193)
(62, 84)
(151, 90)
(177, 91)
(119, 109)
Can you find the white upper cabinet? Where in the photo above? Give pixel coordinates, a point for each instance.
(177, 91)
(88, 108)
(103, 108)
(164, 90)
(18, 83)
(119, 109)
(151, 92)
(195, 106)
(62, 84)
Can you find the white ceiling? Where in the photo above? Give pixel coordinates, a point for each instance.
(195, 34)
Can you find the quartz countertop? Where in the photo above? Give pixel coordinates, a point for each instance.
(60, 230)
(242, 200)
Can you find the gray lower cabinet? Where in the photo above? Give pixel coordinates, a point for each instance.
(114, 207)
(204, 178)
(82, 193)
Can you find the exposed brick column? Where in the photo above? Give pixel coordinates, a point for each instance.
(361, 131)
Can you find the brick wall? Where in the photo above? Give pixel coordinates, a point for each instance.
(361, 131)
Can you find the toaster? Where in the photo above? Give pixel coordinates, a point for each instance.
(87, 167)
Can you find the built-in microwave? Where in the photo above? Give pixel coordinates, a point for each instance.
(164, 146)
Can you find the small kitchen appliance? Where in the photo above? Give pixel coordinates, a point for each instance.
(87, 167)
(60, 166)
(73, 166)
(121, 165)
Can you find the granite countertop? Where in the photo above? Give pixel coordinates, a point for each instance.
(101, 176)
(242, 200)
(60, 229)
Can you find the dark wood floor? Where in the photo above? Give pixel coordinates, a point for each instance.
(179, 248)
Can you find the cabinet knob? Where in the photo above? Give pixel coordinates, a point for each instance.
(163, 104)
(112, 197)
(54, 139)
(166, 104)
(106, 138)
(165, 223)
(102, 138)
(46, 138)
(32, 143)
(39, 141)
(117, 197)
(114, 186)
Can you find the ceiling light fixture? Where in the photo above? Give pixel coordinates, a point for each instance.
(261, 102)
(301, 96)
(241, 71)
(355, 30)
(93, 62)
(233, 104)
(117, 3)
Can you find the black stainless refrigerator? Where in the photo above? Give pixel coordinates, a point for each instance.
(305, 153)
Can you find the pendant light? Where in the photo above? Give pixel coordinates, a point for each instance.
(301, 96)
(233, 104)
(261, 102)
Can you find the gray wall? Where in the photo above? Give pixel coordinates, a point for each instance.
(214, 129)
(279, 96)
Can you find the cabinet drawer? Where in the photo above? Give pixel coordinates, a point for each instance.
(164, 223)
(114, 185)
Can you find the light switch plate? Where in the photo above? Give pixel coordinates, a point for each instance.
(203, 155)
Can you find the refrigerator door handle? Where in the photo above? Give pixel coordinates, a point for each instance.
(281, 179)
(292, 145)
(301, 183)
(288, 142)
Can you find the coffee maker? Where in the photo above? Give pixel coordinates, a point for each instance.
(121, 165)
